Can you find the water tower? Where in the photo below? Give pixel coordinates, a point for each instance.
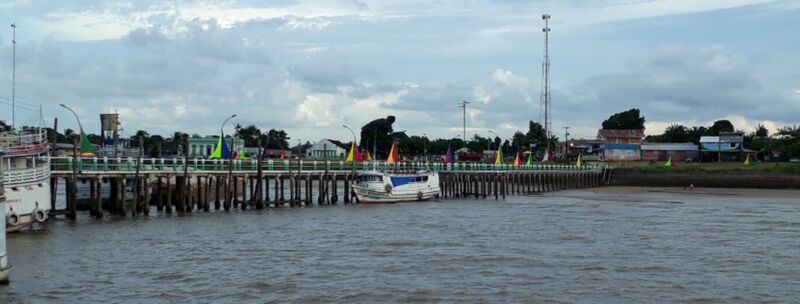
(109, 129)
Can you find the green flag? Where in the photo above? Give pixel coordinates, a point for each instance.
(86, 147)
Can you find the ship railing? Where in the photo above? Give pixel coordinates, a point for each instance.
(24, 176)
(130, 164)
(29, 141)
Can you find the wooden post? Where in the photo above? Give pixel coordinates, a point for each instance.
(73, 185)
(159, 194)
(217, 187)
(145, 191)
(282, 199)
(168, 207)
(53, 192)
(98, 197)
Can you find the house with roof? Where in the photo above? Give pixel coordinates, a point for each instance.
(728, 146)
(675, 151)
(621, 145)
(328, 149)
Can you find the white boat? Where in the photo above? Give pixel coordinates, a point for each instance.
(25, 166)
(380, 187)
(4, 267)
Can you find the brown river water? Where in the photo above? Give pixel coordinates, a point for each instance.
(564, 247)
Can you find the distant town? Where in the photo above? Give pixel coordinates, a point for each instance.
(620, 138)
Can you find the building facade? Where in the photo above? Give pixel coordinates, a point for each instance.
(676, 151)
(621, 145)
(728, 146)
(202, 147)
(328, 149)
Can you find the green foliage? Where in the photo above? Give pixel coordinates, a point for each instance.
(4, 127)
(628, 120)
(378, 134)
(720, 126)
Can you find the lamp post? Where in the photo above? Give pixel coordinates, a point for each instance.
(425, 146)
(228, 195)
(354, 146)
(73, 113)
(498, 136)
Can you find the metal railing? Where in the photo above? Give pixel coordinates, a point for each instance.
(29, 175)
(32, 141)
(105, 164)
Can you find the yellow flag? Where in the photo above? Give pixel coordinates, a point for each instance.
(747, 161)
(350, 156)
(579, 162)
(499, 159)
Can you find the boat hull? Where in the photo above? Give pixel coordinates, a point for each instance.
(384, 189)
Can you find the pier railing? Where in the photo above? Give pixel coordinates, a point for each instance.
(104, 164)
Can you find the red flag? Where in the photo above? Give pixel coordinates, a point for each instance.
(358, 156)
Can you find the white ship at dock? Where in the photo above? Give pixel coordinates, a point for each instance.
(25, 165)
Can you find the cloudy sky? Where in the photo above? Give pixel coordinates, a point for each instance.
(311, 66)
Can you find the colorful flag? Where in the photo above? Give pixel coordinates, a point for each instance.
(747, 161)
(369, 156)
(579, 162)
(449, 157)
(546, 155)
(498, 157)
(359, 156)
(351, 154)
(517, 160)
(394, 156)
(86, 147)
(221, 151)
(530, 159)
(668, 163)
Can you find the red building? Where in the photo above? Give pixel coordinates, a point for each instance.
(621, 145)
(677, 151)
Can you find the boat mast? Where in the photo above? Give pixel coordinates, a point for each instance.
(13, 72)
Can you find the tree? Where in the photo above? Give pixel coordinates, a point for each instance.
(676, 133)
(250, 134)
(4, 127)
(379, 134)
(761, 131)
(628, 120)
(720, 126)
(276, 139)
(536, 135)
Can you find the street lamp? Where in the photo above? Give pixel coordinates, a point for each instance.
(354, 146)
(73, 113)
(229, 182)
(425, 146)
(491, 141)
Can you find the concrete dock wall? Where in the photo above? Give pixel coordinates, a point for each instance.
(724, 179)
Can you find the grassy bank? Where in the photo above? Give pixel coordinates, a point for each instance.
(783, 167)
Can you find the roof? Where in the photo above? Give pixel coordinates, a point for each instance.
(720, 139)
(345, 146)
(669, 147)
(606, 133)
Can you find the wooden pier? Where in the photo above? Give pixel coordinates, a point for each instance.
(187, 185)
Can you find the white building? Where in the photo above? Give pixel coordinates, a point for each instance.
(331, 148)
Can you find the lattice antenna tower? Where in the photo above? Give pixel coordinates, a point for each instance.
(545, 97)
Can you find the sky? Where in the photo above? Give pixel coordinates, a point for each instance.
(311, 66)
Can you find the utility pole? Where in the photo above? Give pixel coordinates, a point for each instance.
(566, 141)
(545, 98)
(463, 106)
(13, 73)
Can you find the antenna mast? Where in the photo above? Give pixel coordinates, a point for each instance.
(13, 73)
(463, 106)
(545, 98)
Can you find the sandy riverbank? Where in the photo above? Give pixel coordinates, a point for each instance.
(637, 191)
